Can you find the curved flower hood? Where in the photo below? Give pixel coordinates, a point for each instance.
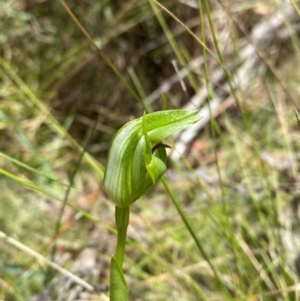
(132, 169)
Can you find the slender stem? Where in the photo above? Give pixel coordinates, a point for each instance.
(122, 220)
(194, 236)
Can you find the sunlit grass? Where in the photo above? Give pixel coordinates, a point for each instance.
(235, 186)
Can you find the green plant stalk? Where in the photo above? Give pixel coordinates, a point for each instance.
(118, 286)
(195, 238)
(122, 220)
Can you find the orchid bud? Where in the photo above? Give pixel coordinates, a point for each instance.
(137, 157)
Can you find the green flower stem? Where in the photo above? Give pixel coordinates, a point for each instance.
(122, 220)
(118, 286)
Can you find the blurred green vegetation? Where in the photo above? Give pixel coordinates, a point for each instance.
(238, 183)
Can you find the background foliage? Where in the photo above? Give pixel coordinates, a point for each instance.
(237, 183)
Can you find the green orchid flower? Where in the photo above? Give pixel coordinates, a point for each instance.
(137, 158)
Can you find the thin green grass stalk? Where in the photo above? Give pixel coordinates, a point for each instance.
(99, 51)
(295, 7)
(212, 121)
(168, 33)
(195, 238)
(22, 138)
(227, 74)
(222, 222)
(173, 44)
(48, 171)
(228, 79)
(71, 184)
(157, 260)
(257, 266)
(28, 184)
(32, 186)
(225, 216)
(33, 170)
(250, 186)
(49, 118)
(191, 33)
(177, 272)
(219, 222)
(243, 115)
(144, 100)
(277, 277)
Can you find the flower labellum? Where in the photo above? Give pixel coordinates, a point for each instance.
(137, 158)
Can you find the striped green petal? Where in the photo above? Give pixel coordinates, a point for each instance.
(132, 170)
